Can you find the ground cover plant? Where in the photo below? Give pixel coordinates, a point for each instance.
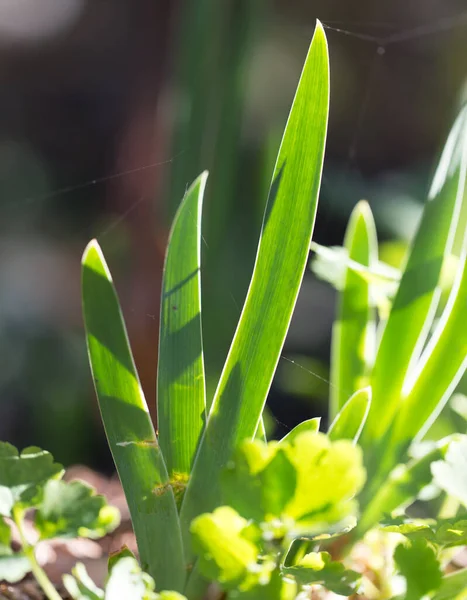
(368, 509)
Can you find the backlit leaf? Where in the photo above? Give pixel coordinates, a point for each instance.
(23, 476)
(74, 510)
(225, 555)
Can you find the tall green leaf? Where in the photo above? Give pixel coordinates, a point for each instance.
(353, 334)
(280, 263)
(181, 401)
(418, 295)
(435, 378)
(128, 426)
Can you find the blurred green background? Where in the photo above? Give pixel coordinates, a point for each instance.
(110, 109)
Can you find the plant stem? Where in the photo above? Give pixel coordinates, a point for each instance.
(28, 549)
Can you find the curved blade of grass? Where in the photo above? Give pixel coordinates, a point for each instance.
(279, 267)
(351, 419)
(181, 396)
(438, 372)
(354, 331)
(128, 426)
(418, 295)
(309, 425)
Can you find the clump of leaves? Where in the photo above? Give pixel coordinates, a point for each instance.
(277, 493)
(32, 480)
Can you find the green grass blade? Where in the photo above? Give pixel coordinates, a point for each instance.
(418, 295)
(435, 378)
(353, 335)
(439, 370)
(309, 425)
(128, 426)
(181, 396)
(279, 267)
(350, 421)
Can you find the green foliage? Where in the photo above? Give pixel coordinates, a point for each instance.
(417, 562)
(446, 533)
(197, 438)
(74, 510)
(275, 494)
(353, 336)
(210, 500)
(307, 483)
(22, 477)
(129, 429)
(31, 479)
(318, 567)
(222, 541)
(181, 404)
(286, 233)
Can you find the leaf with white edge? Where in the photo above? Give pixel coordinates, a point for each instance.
(318, 567)
(225, 554)
(74, 510)
(417, 562)
(127, 580)
(308, 425)
(329, 475)
(351, 419)
(260, 481)
(80, 586)
(22, 476)
(450, 474)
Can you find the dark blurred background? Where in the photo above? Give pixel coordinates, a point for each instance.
(109, 109)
